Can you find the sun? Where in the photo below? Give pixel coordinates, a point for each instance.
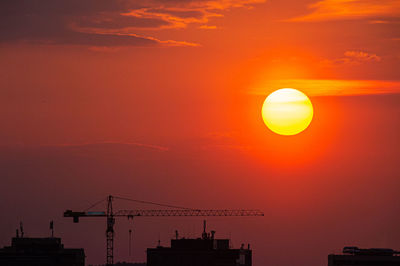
(287, 111)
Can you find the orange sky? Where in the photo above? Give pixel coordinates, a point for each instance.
(89, 64)
(106, 81)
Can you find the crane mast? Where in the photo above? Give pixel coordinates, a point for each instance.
(182, 212)
(110, 231)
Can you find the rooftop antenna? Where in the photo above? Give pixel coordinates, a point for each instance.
(130, 241)
(176, 234)
(159, 240)
(230, 240)
(21, 228)
(204, 235)
(52, 228)
(17, 232)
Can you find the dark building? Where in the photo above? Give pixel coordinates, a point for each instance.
(205, 251)
(365, 257)
(40, 252)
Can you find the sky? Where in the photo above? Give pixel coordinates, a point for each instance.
(161, 101)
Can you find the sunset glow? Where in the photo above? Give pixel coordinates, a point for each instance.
(291, 107)
(287, 111)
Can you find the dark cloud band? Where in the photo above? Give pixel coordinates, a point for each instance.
(101, 22)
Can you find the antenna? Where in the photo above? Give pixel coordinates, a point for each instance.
(204, 235)
(130, 241)
(212, 234)
(52, 228)
(230, 240)
(21, 228)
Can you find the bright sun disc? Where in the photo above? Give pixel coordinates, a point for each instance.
(287, 111)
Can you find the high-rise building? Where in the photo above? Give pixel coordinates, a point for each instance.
(204, 251)
(354, 256)
(40, 252)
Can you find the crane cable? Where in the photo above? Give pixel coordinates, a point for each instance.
(138, 201)
(153, 203)
(95, 204)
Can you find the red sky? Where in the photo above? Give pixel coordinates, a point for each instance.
(161, 100)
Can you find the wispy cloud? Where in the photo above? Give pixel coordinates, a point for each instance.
(208, 27)
(328, 87)
(350, 9)
(189, 12)
(135, 144)
(361, 56)
(105, 23)
(223, 141)
(351, 58)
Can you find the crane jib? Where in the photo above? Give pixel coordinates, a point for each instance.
(167, 212)
(178, 211)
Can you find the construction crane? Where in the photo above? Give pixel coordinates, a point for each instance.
(110, 215)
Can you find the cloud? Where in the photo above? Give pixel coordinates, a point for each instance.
(208, 27)
(328, 87)
(111, 143)
(56, 22)
(377, 21)
(352, 58)
(180, 14)
(350, 9)
(104, 23)
(228, 140)
(361, 56)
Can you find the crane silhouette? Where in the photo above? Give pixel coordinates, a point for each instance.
(110, 216)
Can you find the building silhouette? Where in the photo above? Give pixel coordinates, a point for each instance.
(40, 252)
(365, 257)
(204, 251)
